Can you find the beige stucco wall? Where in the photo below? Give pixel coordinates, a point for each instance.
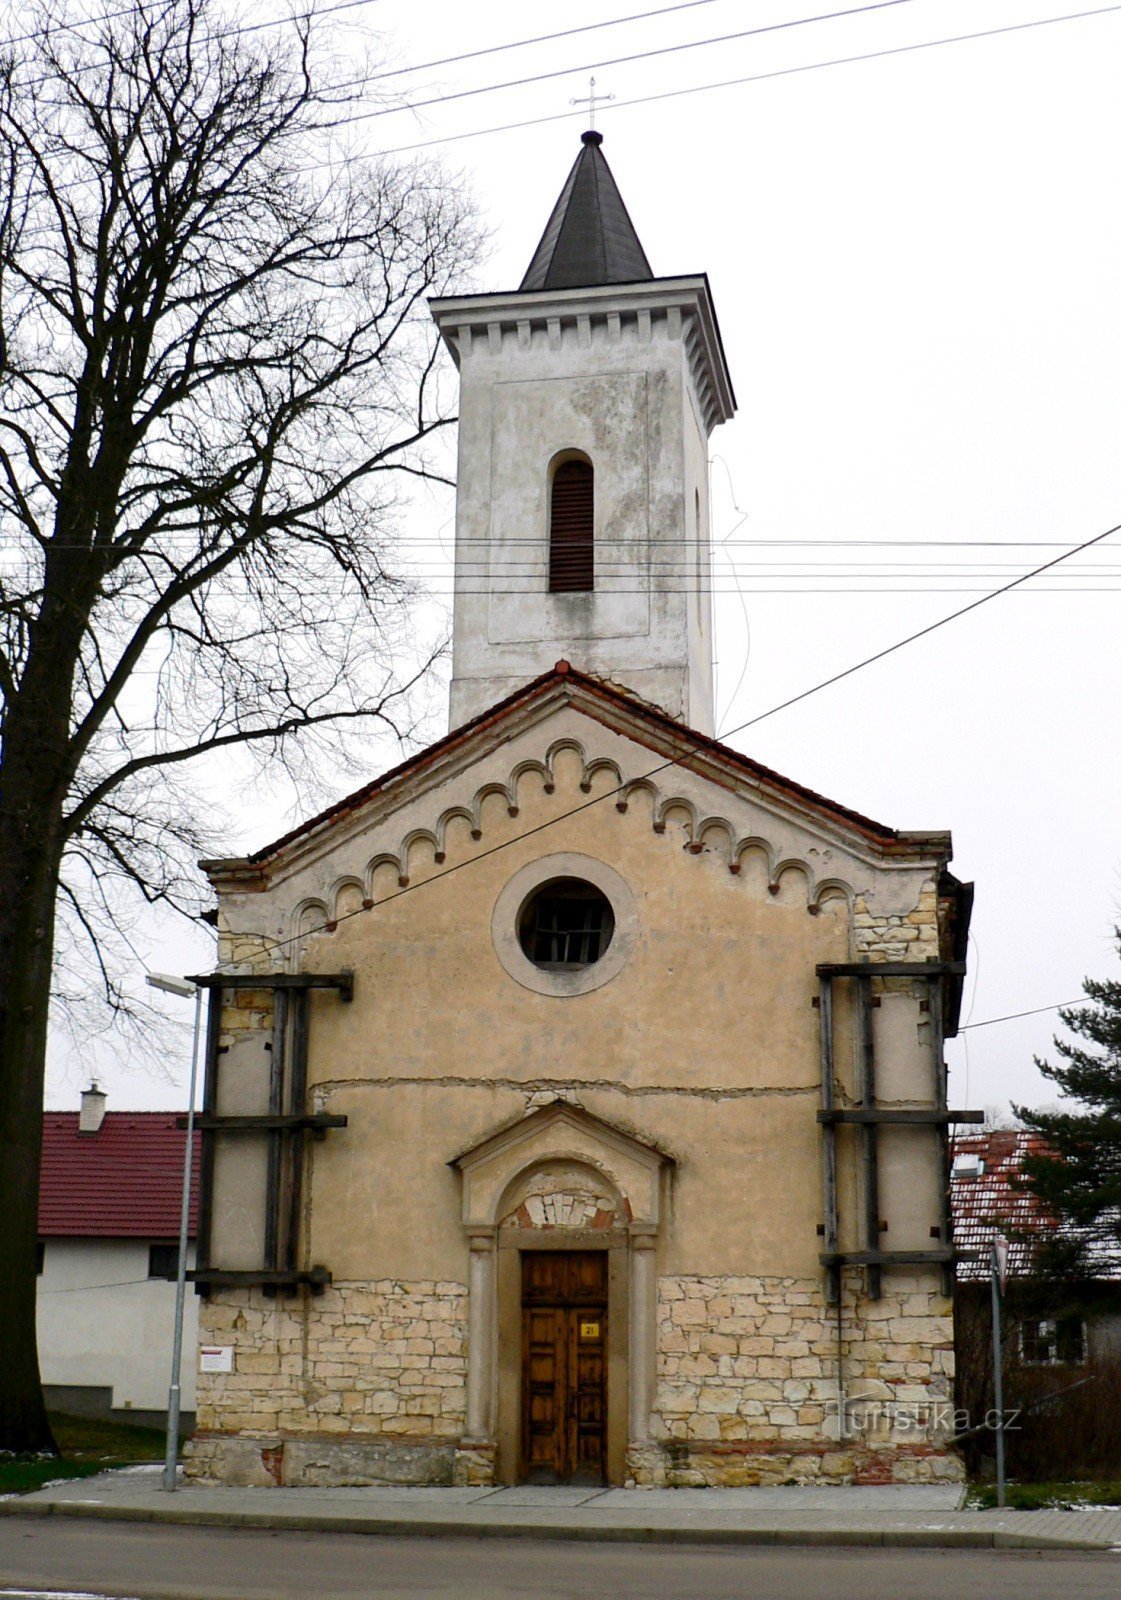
(704, 1046)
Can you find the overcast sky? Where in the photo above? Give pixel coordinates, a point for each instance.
(916, 263)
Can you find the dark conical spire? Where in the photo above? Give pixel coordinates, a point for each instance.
(590, 238)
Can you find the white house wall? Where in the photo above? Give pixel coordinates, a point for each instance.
(103, 1323)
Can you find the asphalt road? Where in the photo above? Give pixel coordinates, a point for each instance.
(132, 1561)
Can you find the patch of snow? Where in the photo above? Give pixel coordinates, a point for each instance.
(56, 1594)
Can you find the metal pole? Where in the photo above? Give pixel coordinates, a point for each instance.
(171, 1459)
(998, 1381)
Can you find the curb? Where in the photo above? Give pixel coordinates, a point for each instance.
(604, 1533)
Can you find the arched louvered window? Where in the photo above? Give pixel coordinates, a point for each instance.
(571, 528)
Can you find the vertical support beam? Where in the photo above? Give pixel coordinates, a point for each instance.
(297, 1138)
(828, 1137)
(276, 1108)
(942, 1131)
(210, 1107)
(481, 1336)
(867, 1065)
(642, 1331)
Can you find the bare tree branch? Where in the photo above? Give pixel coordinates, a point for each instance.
(216, 376)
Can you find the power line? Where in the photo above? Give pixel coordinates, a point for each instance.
(675, 761)
(1013, 1016)
(82, 67)
(67, 27)
(561, 72)
(825, 544)
(648, 542)
(394, 72)
(784, 72)
(348, 5)
(541, 38)
(521, 594)
(617, 61)
(215, 33)
(757, 77)
(365, 116)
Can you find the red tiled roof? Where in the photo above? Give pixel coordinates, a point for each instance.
(122, 1182)
(989, 1205)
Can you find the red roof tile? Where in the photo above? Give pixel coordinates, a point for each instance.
(122, 1182)
(989, 1204)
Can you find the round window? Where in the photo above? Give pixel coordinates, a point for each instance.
(566, 925)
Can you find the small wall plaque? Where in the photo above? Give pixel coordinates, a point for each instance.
(216, 1358)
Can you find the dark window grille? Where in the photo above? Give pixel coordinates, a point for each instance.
(163, 1260)
(567, 925)
(571, 529)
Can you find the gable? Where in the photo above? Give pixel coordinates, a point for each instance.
(564, 1136)
(571, 745)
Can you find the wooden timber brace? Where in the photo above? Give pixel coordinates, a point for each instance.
(869, 1116)
(286, 1124)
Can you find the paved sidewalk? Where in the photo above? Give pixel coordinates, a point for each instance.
(918, 1515)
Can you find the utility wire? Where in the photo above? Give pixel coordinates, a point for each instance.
(517, 83)
(1013, 1016)
(757, 77)
(365, 116)
(617, 61)
(393, 72)
(215, 33)
(348, 5)
(559, 72)
(674, 761)
(673, 94)
(541, 38)
(83, 67)
(422, 542)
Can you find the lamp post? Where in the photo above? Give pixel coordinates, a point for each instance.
(184, 988)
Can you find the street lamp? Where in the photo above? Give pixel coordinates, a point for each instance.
(184, 988)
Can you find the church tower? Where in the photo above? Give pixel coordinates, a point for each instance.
(587, 398)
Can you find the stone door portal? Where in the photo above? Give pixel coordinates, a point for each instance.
(564, 1370)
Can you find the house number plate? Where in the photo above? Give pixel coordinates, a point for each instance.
(589, 1330)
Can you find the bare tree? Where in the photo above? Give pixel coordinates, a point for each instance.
(214, 371)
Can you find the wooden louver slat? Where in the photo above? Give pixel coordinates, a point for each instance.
(571, 528)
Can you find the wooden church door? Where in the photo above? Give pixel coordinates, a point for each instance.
(564, 1366)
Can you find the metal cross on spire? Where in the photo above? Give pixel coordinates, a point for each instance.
(590, 99)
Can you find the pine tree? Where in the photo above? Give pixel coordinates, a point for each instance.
(1077, 1178)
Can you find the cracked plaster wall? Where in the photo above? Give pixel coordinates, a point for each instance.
(705, 1044)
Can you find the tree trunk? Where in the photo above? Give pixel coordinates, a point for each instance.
(25, 979)
(33, 784)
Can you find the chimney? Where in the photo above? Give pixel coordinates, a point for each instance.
(92, 1113)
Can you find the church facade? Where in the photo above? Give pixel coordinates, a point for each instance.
(575, 1106)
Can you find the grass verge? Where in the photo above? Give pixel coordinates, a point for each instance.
(1048, 1496)
(88, 1445)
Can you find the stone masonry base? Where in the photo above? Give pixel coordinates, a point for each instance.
(741, 1465)
(267, 1461)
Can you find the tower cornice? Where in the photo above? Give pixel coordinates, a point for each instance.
(518, 315)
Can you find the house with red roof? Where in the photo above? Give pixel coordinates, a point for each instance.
(109, 1208)
(1056, 1326)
